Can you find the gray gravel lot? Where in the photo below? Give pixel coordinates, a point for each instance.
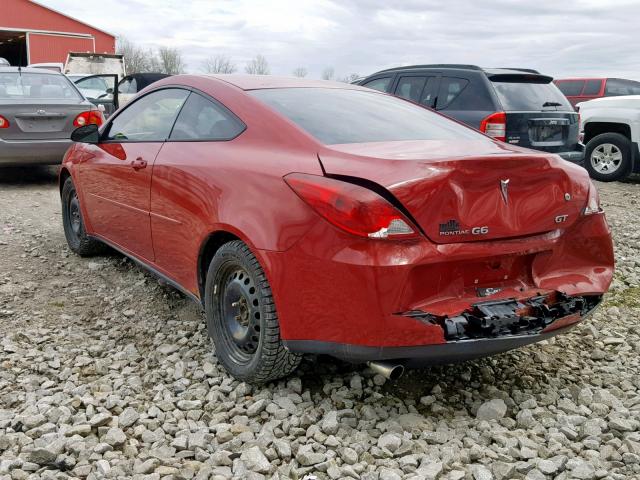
(105, 373)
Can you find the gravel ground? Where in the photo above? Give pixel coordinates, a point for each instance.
(106, 373)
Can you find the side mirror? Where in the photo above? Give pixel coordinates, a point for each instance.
(86, 134)
(109, 90)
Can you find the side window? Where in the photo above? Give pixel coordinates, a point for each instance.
(635, 88)
(592, 87)
(430, 92)
(381, 84)
(127, 85)
(571, 88)
(203, 119)
(418, 89)
(411, 88)
(149, 119)
(618, 86)
(449, 90)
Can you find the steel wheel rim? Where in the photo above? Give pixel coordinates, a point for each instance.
(240, 313)
(606, 158)
(74, 215)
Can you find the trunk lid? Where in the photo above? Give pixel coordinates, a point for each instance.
(41, 120)
(498, 192)
(538, 115)
(550, 131)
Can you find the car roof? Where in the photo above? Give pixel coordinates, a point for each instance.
(43, 71)
(565, 79)
(257, 82)
(461, 66)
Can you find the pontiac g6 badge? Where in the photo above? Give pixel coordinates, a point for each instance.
(504, 189)
(452, 227)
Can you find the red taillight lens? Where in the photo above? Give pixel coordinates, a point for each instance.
(495, 125)
(350, 207)
(86, 118)
(4, 123)
(593, 201)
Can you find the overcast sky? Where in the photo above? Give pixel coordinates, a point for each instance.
(557, 37)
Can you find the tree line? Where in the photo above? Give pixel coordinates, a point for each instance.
(170, 61)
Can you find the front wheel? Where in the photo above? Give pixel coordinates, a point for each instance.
(242, 317)
(608, 157)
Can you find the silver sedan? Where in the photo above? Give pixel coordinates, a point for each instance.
(38, 111)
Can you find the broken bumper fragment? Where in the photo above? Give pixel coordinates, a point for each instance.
(511, 317)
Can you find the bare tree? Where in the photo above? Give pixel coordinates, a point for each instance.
(258, 66)
(300, 72)
(328, 73)
(170, 61)
(349, 78)
(154, 62)
(218, 64)
(136, 59)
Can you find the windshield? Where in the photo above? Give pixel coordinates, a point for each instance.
(16, 86)
(335, 116)
(525, 96)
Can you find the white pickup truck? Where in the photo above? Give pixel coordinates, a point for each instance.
(610, 129)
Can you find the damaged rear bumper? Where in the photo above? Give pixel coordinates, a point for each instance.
(486, 329)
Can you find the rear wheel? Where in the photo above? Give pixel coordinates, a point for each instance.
(608, 157)
(73, 224)
(242, 318)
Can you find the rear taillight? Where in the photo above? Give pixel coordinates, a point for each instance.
(4, 123)
(351, 208)
(593, 201)
(495, 125)
(87, 118)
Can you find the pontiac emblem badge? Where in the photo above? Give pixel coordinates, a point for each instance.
(504, 189)
(41, 112)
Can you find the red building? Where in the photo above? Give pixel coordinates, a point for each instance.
(33, 33)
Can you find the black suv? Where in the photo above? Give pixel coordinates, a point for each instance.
(516, 105)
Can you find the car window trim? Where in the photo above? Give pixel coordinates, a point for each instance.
(216, 102)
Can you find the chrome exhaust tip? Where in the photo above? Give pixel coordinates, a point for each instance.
(390, 371)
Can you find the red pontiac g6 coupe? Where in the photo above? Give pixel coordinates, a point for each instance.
(311, 216)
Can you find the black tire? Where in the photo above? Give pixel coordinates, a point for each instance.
(242, 317)
(73, 224)
(607, 157)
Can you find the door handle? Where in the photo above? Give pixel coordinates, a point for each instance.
(138, 163)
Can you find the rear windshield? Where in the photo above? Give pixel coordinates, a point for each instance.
(14, 85)
(528, 96)
(336, 116)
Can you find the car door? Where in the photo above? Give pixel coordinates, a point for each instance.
(101, 90)
(116, 176)
(183, 191)
(127, 89)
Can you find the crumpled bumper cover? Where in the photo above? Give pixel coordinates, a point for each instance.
(486, 329)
